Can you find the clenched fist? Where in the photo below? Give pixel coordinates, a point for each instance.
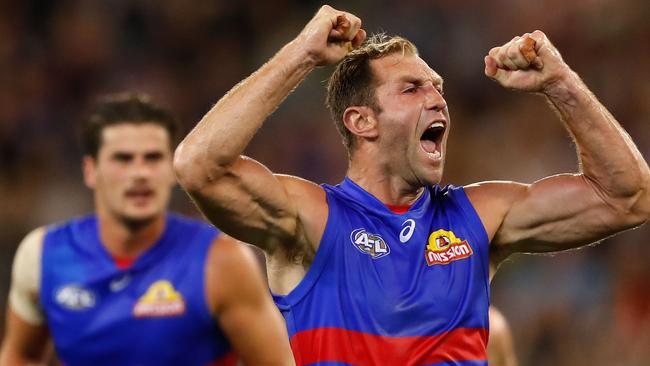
(330, 35)
(527, 63)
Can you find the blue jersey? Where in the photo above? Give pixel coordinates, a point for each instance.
(153, 313)
(393, 289)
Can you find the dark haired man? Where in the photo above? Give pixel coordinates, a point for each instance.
(133, 284)
(389, 268)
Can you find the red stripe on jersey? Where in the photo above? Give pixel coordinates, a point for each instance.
(123, 262)
(229, 359)
(352, 347)
(399, 209)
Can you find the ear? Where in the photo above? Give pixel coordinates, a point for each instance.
(361, 121)
(89, 171)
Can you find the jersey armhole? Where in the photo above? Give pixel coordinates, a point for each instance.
(323, 252)
(478, 229)
(470, 212)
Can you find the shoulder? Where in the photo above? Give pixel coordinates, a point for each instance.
(492, 201)
(233, 273)
(182, 220)
(76, 228)
(494, 191)
(30, 248)
(229, 253)
(187, 225)
(311, 205)
(500, 345)
(297, 187)
(498, 323)
(26, 277)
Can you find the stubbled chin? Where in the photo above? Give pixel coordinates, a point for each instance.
(138, 219)
(432, 175)
(141, 210)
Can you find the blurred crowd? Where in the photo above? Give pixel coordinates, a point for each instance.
(585, 307)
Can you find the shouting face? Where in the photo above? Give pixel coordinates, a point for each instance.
(413, 120)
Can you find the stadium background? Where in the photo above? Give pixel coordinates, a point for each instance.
(586, 307)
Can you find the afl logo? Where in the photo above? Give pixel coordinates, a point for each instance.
(74, 297)
(371, 244)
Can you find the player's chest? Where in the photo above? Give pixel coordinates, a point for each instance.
(122, 296)
(424, 239)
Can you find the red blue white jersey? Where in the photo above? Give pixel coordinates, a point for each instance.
(393, 289)
(153, 313)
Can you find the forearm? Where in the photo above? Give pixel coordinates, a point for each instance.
(11, 358)
(23, 344)
(216, 143)
(607, 154)
(567, 211)
(225, 131)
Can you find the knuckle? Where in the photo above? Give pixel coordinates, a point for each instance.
(513, 52)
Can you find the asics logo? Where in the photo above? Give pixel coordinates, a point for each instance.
(408, 227)
(120, 283)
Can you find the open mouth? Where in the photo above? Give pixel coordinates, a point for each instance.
(431, 140)
(139, 194)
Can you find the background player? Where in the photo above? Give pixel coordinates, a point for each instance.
(500, 348)
(132, 283)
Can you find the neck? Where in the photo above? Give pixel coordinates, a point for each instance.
(126, 239)
(381, 182)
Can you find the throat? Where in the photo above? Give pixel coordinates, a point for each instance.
(123, 241)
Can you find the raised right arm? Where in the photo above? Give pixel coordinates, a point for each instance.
(238, 194)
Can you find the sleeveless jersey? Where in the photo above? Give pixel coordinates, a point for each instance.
(393, 289)
(153, 313)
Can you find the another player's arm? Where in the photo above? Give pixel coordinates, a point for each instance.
(610, 194)
(501, 350)
(242, 304)
(26, 335)
(24, 343)
(238, 194)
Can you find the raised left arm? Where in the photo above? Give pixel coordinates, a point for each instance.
(611, 192)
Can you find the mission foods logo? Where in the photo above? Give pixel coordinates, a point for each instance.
(444, 247)
(161, 299)
(371, 244)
